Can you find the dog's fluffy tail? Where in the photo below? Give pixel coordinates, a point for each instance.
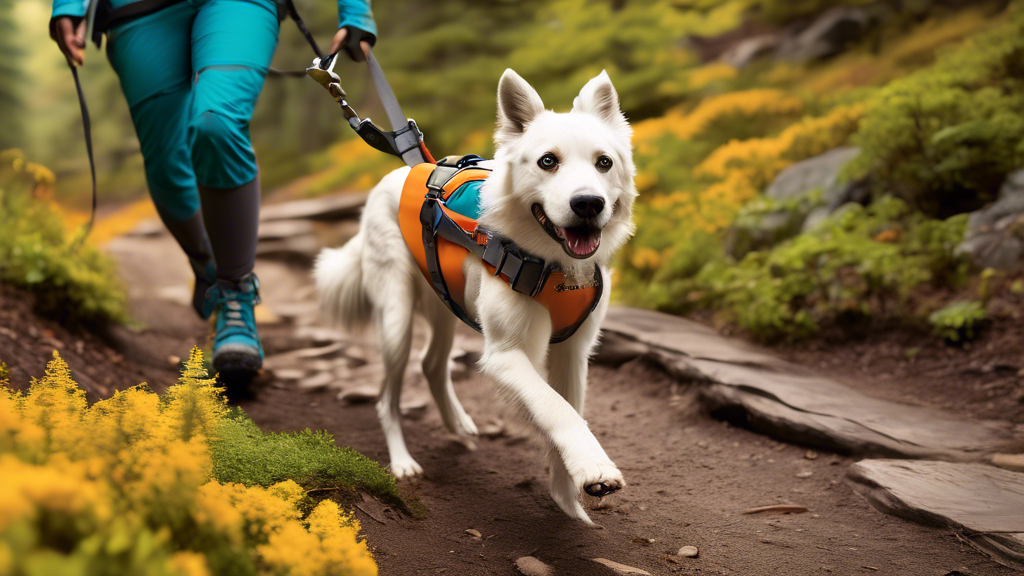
(339, 282)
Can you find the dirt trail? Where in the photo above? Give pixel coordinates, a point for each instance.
(690, 477)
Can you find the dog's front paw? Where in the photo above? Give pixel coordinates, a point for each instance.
(406, 468)
(598, 478)
(462, 424)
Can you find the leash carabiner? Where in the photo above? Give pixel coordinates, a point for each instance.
(405, 141)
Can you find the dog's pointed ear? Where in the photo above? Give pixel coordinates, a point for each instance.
(518, 105)
(598, 97)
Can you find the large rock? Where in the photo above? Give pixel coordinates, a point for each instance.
(829, 35)
(982, 504)
(793, 188)
(995, 235)
(340, 207)
(762, 231)
(764, 393)
(818, 173)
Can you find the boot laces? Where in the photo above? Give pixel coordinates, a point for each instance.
(237, 316)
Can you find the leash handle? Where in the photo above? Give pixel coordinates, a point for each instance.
(87, 129)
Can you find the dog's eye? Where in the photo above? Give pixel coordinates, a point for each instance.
(603, 164)
(548, 161)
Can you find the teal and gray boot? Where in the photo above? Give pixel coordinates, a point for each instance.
(236, 344)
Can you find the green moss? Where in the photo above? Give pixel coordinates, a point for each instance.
(245, 454)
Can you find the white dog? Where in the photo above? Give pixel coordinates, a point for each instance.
(562, 189)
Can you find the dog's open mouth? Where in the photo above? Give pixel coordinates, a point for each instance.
(577, 241)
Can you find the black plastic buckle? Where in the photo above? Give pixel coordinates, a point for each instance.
(526, 274)
(383, 140)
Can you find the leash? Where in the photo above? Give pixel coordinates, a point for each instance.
(87, 129)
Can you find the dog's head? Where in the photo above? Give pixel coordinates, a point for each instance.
(563, 183)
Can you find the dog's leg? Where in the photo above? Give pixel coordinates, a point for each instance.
(436, 369)
(514, 328)
(567, 374)
(394, 327)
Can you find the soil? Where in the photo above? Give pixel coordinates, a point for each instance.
(94, 354)
(689, 480)
(690, 477)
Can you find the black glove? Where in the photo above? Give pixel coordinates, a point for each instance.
(352, 40)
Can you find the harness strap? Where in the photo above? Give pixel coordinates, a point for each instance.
(525, 274)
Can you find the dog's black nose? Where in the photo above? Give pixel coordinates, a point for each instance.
(587, 206)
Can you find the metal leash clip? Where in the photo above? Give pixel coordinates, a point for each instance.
(406, 141)
(322, 71)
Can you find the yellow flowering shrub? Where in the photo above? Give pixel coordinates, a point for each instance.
(125, 487)
(759, 160)
(706, 203)
(733, 110)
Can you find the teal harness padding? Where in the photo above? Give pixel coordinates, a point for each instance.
(466, 199)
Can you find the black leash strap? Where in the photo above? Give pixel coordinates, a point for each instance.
(293, 13)
(87, 128)
(302, 28)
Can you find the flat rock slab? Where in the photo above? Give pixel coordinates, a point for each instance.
(284, 229)
(984, 504)
(790, 403)
(340, 207)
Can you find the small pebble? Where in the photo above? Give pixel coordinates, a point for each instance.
(688, 552)
(804, 474)
(811, 455)
(530, 566)
(474, 533)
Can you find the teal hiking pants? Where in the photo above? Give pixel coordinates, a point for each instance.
(191, 74)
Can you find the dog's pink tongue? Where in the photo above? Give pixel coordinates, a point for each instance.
(581, 244)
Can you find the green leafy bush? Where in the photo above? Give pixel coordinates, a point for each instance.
(944, 138)
(959, 322)
(861, 262)
(65, 277)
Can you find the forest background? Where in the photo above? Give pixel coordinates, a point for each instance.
(919, 99)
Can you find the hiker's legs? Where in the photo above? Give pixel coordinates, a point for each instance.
(232, 44)
(153, 58)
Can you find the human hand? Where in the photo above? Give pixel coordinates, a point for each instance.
(70, 37)
(354, 41)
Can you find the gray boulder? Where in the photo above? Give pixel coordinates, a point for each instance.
(995, 234)
(793, 187)
(762, 231)
(828, 35)
(818, 173)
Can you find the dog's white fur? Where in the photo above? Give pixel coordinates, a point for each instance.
(374, 277)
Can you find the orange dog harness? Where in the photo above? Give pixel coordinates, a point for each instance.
(440, 239)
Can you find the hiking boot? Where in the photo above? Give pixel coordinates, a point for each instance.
(236, 344)
(206, 277)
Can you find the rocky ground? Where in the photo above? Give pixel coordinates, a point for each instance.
(691, 477)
